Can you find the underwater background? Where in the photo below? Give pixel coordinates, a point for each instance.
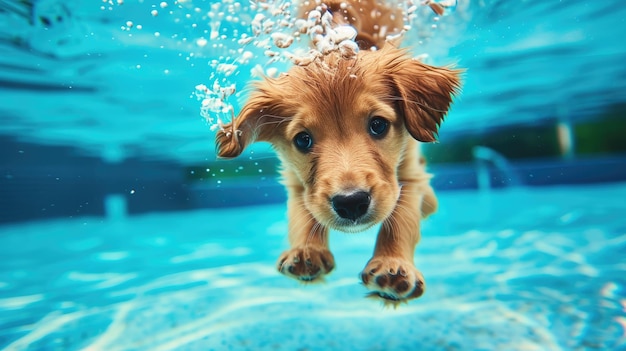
(121, 230)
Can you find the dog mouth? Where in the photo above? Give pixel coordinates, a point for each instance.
(352, 226)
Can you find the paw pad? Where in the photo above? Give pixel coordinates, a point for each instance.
(393, 280)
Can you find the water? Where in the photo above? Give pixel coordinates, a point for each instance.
(485, 156)
(527, 62)
(101, 107)
(545, 272)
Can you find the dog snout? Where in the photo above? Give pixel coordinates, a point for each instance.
(353, 205)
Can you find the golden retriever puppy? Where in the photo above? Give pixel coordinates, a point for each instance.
(346, 131)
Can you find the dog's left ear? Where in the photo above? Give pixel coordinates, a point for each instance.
(425, 94)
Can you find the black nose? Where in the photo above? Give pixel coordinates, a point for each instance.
(351, 206)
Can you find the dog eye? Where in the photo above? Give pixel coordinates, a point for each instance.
(378, 126)
(303, 141)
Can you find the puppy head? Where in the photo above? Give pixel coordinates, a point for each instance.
(341, 128)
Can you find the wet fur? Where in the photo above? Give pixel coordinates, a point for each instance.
(334, 99)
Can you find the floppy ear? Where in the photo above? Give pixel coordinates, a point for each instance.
(252, 124)
(425, 94)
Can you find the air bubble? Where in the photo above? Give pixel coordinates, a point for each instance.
(282, 40)
(348, 49)
(247, 55)
(342, 33)
(272, 72)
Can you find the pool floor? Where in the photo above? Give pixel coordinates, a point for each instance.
(514, 269)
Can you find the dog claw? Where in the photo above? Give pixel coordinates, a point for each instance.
(387, 296)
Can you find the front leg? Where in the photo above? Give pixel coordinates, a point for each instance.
(391, 274)
(309, 257)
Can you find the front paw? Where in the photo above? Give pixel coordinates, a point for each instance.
(307, 263)
(393, 279)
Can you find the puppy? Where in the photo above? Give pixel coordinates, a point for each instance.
(346, 131)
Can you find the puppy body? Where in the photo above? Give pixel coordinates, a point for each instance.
(347, 132)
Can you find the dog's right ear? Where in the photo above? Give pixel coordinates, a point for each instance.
(252, 123)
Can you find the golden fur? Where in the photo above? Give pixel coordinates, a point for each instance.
(335, 102)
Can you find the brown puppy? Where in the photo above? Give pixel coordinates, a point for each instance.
(346, 131)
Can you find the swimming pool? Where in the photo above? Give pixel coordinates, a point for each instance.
(509, 269)
(110, 241)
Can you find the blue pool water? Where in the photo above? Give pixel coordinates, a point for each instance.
(514, 269)
(527, 62)
(107, 242)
